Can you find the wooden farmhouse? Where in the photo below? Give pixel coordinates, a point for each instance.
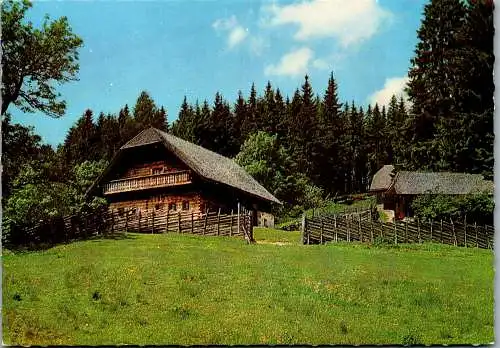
(158, 171)
(396, 190)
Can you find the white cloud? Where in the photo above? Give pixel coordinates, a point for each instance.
(320, 64)
(349, 22)
(392, 86)
(294, 63)
(236, 33)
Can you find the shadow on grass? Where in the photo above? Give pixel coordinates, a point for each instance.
(49, 245)
(114, 236)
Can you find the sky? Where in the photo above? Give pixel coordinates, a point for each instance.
(195, 48)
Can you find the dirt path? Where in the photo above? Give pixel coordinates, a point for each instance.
(274, 243)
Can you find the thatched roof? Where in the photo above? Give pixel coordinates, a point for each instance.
(416, 183)
(383, 178)
(207, 164)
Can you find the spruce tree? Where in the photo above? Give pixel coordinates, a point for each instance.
(183, 127)
(81, 143)
(330, 128)
(240, 116)
(250, 122)
(376, 138)
(280, 115)
(147, 114)
(435, 83)
(201, 134)
(269, 115)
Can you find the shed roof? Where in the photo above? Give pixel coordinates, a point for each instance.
(383, 178)
(415, 183)
(205, 163)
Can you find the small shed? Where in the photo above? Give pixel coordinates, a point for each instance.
(396, 190)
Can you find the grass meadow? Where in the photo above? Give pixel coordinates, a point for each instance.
(183, 289)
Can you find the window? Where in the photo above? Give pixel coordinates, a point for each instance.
(185, 205)
(172, 206)
(157, 170)
(121, 211)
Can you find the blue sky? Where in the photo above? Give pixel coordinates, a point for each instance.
(195, 48)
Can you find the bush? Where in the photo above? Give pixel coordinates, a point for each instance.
(476, 207)
(35, 200)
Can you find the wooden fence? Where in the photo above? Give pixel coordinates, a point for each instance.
(322, 229)
(215, 223)
(114, 223)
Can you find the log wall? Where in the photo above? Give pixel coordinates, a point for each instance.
(160, 203)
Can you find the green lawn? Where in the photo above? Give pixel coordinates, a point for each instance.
(181, 289)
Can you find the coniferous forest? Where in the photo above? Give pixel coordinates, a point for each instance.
(305, 147)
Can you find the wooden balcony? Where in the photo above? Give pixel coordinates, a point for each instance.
(148, 182)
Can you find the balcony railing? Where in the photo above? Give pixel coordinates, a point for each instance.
(147, 182)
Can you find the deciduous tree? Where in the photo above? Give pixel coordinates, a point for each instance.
(34, 60)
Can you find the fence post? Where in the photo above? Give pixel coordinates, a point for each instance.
(218, 222)
(238, 222)
(192, 223)
(303, 227)
(431, 230)
(371, 227)
(359, 228)
(308, 233)
(442, 240)
(168, 218)
(179, 222)
(250, 227)
(335, 227)
(465, 230)
(406, 230)
(453, 231)
(231, 225)
(140, 222)
(126, 222)
(418, 229)
(348, 229)
(321, 232)
(490, 244)
(153, 222)
(112, 222)
(395, 232)
(206, 217)
(475, 229)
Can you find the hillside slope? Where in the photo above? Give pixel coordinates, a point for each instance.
(179, 289)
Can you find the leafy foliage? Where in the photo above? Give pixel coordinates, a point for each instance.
(84, 176)
(271, 165)
(19, 145)
(34, 198)
(477, 208)
(33, 59)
